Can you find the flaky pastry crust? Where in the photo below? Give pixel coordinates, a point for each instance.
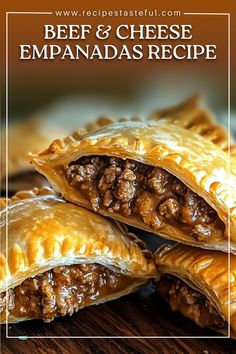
(197, 162)
(204, 271)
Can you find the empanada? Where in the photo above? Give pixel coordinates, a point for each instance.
(60, 258)
(196, 283)
(155, 176)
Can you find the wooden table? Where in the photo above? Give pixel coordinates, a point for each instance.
(141, 314)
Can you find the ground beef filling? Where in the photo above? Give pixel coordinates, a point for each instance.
(151, 193)
(189, 302)
(62, 291)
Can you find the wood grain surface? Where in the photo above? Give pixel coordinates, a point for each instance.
(141, 314)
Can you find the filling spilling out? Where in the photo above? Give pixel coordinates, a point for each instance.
(62, 291)
(151, 194)
(190, 303)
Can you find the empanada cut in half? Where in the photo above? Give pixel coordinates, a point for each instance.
(198, 284)
(61, 257)
(155, 176)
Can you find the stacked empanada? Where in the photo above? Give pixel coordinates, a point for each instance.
(58, 258)
(170, 175)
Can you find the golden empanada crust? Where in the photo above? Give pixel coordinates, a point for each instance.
(207, 272)
(45, 231)
(197, 162)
